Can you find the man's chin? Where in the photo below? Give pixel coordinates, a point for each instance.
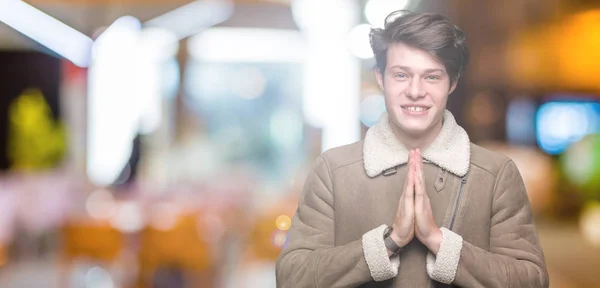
(414, 131)
(410, 126)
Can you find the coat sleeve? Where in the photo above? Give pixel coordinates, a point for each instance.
(515, 258)
(310, 258)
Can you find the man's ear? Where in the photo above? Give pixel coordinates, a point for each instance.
(379, 77)
(453, 86)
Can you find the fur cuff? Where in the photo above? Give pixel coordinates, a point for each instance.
(381, 266)
(443, 267)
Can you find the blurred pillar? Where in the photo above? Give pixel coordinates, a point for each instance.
(183, 120)
(74, 106)
(332, 73)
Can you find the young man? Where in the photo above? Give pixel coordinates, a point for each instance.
(415, 204)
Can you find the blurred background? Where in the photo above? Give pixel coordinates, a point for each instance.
(154, 143)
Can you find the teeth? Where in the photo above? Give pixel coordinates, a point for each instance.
(415, 109)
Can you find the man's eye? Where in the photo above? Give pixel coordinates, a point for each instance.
(433, 77)
(400, 76)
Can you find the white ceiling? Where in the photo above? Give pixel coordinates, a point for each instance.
(88, 18)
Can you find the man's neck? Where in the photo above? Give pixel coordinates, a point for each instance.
(420, 141)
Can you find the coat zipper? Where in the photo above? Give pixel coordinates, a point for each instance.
(463, 180)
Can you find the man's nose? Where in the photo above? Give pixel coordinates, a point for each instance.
(415, 90)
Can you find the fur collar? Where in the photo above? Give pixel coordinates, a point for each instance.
(451, 150)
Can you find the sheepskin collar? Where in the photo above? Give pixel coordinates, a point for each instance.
(451, 150)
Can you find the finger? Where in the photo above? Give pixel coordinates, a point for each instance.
(406, 180)
(406, 186)
(419, 186)
(420, 194)
(421, 165)
(412, 172)
(420, 160)
(409, 201)
(410, 178)
(422, 176)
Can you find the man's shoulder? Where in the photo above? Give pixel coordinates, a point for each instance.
(488, 160)
(344, 155)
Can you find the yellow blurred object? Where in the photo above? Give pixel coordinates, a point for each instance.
(95, 240)
(590, 223)
(565, 55)
(181, 246)
(266, 239)
(283, 222)
(269, 233)
(579, 57)
(35, 141)
(92, 241)
(528, 58)
(2, 255)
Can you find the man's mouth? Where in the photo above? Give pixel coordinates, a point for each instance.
(415, 108)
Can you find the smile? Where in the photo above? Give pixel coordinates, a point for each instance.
(415, 110)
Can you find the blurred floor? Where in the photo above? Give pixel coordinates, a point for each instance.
(572, 262)
(31, 274)
(574, 265)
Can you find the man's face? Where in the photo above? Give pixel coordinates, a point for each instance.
(416, 88)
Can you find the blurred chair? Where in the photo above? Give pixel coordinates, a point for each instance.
(266, 241)
(268, 235)
(177, 251)
(93, 241)
(3, 256)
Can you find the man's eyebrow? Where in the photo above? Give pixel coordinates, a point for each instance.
(410, 69)
(434, 70)
(401, 67)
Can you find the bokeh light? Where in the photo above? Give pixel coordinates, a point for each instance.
(97, 277)
(283, 222)
(483, 109)
(286, 128)
(377, 10)
(129, 217)
(590, 217)
(101, 204)
(560, 124)
(520, 121)
(164, 216)
(359, 43)
(371, 109)
(278, 238)
(311, 15)
(581, 165)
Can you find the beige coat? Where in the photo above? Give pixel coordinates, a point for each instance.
(477, 196)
